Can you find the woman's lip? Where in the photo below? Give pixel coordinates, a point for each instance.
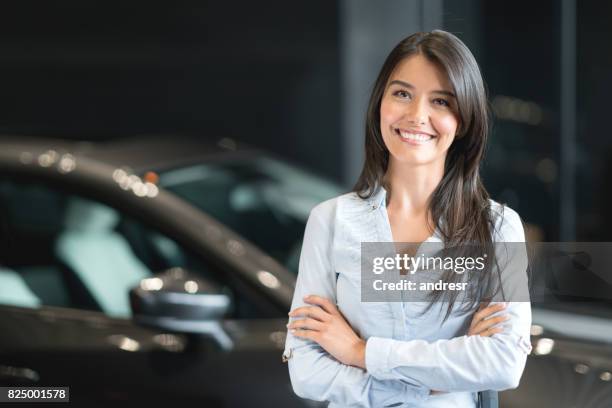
(417, 132)
(414, 142)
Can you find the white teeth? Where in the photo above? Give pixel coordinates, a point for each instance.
(416, 136)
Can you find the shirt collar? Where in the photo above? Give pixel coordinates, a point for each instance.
(378, 198)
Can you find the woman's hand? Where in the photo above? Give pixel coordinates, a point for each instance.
(325, 325)
(482, 325)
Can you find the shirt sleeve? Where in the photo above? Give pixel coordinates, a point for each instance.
(314, 373)
(469, 363)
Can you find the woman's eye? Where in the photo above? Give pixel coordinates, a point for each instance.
(402, 94)
(441, 102)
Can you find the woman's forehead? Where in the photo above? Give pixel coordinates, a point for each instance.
(421, 73)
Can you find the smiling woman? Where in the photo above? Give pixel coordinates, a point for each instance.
(426, 132)
(418, 119)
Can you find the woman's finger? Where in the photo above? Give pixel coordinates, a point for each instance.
(488, 323)
(483, 314)
(308, 324)
(487, 311)
(325, 303)
(475, 318)
(307, 334)
(491, 331)
(310, 311)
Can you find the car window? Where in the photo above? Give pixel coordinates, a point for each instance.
(265, 200)
(64, 250)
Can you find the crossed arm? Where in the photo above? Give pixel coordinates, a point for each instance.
(326, 326)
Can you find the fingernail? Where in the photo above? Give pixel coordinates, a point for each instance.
(288, 324)
(292, 331)
(306, 297)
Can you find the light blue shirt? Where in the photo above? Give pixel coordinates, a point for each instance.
(407, 354)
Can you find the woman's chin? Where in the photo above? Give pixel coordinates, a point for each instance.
(410, 158)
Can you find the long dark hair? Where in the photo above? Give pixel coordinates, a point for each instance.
(460, 199)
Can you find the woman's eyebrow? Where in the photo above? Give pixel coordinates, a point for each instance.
(447, 93)
(410, 86)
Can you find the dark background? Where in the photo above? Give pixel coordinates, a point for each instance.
(98, 69)
(274, 75)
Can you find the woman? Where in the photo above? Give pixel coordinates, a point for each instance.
(426, 132)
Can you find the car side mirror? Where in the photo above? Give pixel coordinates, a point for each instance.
(177, 301)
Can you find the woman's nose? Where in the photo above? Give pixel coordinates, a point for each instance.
(417, 113)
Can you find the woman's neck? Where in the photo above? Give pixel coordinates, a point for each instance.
(410, 187)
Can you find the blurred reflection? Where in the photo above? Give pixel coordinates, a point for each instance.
(544, 346)
(124, 343)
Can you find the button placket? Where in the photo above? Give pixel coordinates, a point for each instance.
(397, 307)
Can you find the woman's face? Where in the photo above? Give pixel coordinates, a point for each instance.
(418, 118)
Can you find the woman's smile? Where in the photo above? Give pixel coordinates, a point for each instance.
(414, 137)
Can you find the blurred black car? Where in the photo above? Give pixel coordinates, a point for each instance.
(150, 269)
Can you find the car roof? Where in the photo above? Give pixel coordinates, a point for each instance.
(140, 152)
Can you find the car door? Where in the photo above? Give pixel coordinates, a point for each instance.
(67, 265)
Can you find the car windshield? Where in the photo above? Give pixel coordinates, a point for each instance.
(263, 199)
